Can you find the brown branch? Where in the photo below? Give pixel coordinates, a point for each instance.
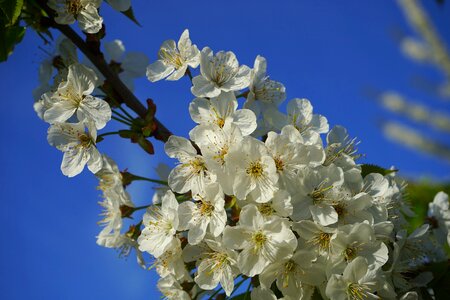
(161, 132)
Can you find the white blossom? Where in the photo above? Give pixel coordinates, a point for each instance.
(355, 283)
(357, 240)
(215, 144)
(207, 212)
(215, 264)
(171, 289)
(170, 262)
(220, 72)
(222, 110)
(73, 97)
(439, 217)
(266, 92)
(290, 155)
(314, 197)
(254, 170)
(295, 275)
(83, 11)
(300, 115)
(160, 225)
(191, 174)
(262, 242)
(78, 146)
(174, 59)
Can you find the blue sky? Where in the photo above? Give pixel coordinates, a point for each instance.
(326, 51)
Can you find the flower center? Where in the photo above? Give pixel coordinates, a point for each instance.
(205, 208)
(85, 140)
(259, 238)
(319, 192)
(340, 209)
(279, 164)
(322, 240)
(266, 209)
(222, 72)
(221, 154)
(357, 291)
(220, 122)
(198, 165)
(350, 253)
(172, 57)
(74, 6)
(255, 169)
(218, 261)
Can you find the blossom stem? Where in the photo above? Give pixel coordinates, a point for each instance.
(108, 133)
(215, 293)
(238, 285)
(248, 290)
(125, 112)
(139, 208)
(122, 116)
(243, 94)
(135, 177)
(121, 120)
(97, 58)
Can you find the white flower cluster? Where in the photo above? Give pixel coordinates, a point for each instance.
(84, 11)
(287, 208)
(64, 100)
(257, 194)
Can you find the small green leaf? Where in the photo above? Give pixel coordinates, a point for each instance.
(366, 169)
(10, 11)
(130, 15)
(9, 37)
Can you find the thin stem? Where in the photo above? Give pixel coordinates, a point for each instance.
(125, 112)
(238, 285)
(141, 207)
(121, 121)
(161, 133)
(107, 133)
(248, 290)
(215, 293)
(135, 177)
(122, 116)
(243, 94)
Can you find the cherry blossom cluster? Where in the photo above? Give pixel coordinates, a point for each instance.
(64, 100)
(258, 195)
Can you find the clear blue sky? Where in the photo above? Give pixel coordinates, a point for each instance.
(327, 51)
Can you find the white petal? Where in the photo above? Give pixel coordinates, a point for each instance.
(203, 87)
(94, 109)
(73, 162)
(120, 5)
(115, 49)
(159, 70)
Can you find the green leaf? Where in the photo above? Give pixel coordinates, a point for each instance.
(10, 11)
(366, 169)
(9, 37)
(130, 15)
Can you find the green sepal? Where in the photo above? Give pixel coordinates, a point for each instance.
(130, 15)
(366, 169)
